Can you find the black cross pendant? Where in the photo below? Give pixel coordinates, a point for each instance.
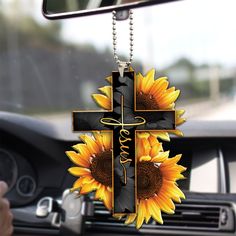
(124, 120)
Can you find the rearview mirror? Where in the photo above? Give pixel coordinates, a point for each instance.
(61, 9)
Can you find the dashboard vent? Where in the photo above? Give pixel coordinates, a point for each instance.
(200, 216)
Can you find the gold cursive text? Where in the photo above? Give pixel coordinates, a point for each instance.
(124, 136)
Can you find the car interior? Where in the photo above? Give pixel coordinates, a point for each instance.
(50, 67)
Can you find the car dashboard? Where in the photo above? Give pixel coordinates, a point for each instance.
(34, 164)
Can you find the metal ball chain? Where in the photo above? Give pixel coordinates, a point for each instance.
(117, 60)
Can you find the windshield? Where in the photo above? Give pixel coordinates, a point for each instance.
(49, 68)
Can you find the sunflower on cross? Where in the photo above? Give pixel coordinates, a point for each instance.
(157, 173)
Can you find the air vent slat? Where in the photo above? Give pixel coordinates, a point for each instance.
(192, 223)
(188, 216)
(106, 215)
(176, 217)
(179, 209)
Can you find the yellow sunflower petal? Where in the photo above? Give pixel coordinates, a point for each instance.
(173, 188)
(179, 192)
(98, 139)
(109, 189)
(165, 190)
(130, 219)
(168, 201)
(83, 150)
(107, 199)
(79, 171)
(80, 182)
(174, 168)
(100, 193)
(167, 107)
(172, 161)
(83, 180)
(107, 140)
(102, 100)
(161, 134)
(177, 132)
(141, 134)
(109, 79)
(154, 210)
(170, 90)
(144, 158)
(152, 140)
(172, 176)
(180, 112)
(158, 88)
(145, 147)
(118, 216)
(163, 205)
(161, 157)
(176, 199)
(148, 81)
(87, 188)
(107, 90)
(138, 150)
(180, 121)
(156, 149)
(148, 214)
(92, 146)
(78, 159)
(139, 79)
(141, 214)
(168, 99)
(131, 69)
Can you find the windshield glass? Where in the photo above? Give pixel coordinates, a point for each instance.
(49, 68)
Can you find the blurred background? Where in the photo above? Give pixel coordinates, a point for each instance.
(49, 68)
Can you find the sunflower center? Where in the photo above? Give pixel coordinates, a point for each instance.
(149, 179)
(101, 168)
(145, 102)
